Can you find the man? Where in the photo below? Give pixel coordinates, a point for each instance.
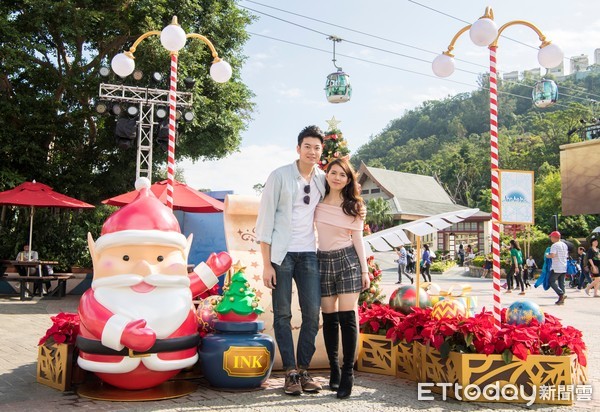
(558, 253)
(402, 262)
(285, 230)
(584, 275)
(25, 256)
(137, 327)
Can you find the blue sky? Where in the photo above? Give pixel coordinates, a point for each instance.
(288, 80)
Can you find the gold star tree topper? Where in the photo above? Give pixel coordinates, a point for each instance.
(333, 123)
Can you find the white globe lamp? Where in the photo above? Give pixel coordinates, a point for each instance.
(122, 64)
(221, 71)
(443, 65)
(173, 37)
(550, 56)
(483, 32)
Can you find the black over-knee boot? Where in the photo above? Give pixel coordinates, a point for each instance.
(349, 339)
(331, 336)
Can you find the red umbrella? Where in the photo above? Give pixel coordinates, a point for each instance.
(184, 198)
(34, 194)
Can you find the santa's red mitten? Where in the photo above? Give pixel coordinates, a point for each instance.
(137, 336)
(219, 263)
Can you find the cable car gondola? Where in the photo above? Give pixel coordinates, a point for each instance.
(545, 93)
(337, 87)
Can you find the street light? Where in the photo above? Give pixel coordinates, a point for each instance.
(172, 38)
(484, 32)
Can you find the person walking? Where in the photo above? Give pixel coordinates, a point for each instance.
(410, 261)
(558, 253)
(461, 255)
(343, 267)
(426, 263)
(593, 257)
(516, 257)
(531, 266)
(402, 264)
(584, 274)
(285, 231)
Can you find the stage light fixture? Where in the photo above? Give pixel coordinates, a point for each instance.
(188, 116)
(101, 107)
(116, 109)
(161, 112)
(189, 82)
(104, 71)
(138, 75)
(125, 132)
(132, 111)
(157, 77)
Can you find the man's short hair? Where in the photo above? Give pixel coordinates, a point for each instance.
(311, 131)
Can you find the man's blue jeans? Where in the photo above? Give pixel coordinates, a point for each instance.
(304, 269)
(560, 289)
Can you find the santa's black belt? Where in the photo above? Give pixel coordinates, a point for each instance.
(96, 347)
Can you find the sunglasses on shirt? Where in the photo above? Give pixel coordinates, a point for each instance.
(307, 197)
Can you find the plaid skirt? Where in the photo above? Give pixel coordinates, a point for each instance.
(340, 271)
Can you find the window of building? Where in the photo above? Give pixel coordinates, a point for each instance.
(364, 192)
(376, 190)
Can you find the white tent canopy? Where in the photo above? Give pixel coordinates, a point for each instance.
(387, 239)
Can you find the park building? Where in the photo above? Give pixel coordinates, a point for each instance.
(411, 196)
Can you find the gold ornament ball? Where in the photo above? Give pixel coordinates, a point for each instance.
(372, 290)
(254, 304)
(231, 299)
(242, 290)
(247, 284)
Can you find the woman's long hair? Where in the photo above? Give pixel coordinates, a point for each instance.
(514, 244)
(352, 202)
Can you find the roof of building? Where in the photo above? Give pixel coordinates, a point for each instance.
(411, 194)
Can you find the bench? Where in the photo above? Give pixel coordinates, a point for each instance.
(58, 291)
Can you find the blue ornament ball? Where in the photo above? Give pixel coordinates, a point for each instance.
(522, 312)
(404, 299)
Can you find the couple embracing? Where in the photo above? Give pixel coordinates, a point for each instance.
(297, 198)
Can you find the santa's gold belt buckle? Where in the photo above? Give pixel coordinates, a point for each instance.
(137, 355)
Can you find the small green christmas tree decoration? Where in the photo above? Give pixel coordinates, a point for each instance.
(239, 302)
(334, 145)
(373, 294)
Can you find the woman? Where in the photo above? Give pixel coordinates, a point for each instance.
(402, 264)
(593, 256)
(344, 270)
(426, 263)
(516, 269)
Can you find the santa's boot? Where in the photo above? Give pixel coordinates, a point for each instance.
(331, 336)
(349, 339)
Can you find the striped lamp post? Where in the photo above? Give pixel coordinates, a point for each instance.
(172, 38)
(484, 32)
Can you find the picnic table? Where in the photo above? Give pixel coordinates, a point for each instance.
(59, 290)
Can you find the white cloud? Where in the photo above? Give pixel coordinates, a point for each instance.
(238, 172)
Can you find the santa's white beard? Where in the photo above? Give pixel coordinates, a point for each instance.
(164, 308)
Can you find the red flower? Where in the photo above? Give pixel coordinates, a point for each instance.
(476, 334)
(64, 329)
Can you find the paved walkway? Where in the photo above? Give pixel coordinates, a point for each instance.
(23, 323)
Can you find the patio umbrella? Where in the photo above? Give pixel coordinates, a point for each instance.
(34, 195)
(185, 198)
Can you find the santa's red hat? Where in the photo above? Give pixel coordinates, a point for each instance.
(145, 221)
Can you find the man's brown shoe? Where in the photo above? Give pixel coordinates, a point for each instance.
(308, 383)
(292, 384)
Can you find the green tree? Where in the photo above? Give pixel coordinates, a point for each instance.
(50, 54)
(378, 214)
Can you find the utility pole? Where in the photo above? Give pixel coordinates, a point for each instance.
(146, 99)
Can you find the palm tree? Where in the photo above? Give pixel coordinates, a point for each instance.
(378, 214)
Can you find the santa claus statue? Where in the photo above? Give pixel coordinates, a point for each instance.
(138, 326)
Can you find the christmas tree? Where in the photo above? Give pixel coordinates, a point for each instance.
(373, 294)
(334, 145)
(239, 302)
